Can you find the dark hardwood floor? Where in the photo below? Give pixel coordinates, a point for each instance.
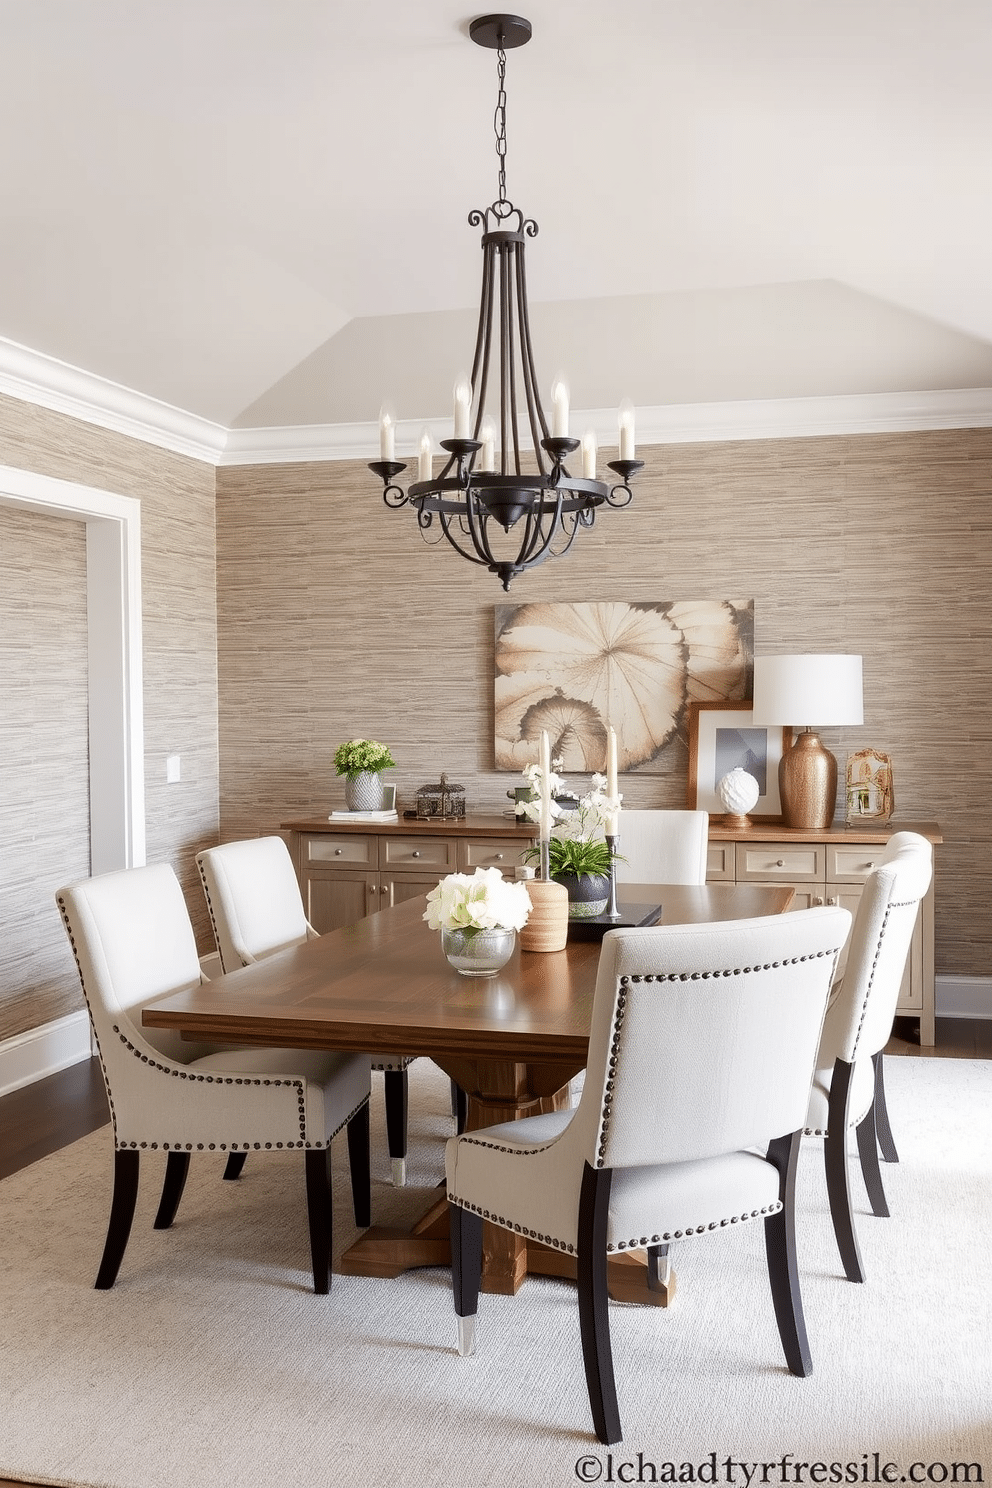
(53, 1112)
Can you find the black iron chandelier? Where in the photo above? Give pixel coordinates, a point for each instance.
(508, 519)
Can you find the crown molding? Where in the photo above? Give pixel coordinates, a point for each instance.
(43, 380)
(35, 378)
(684, 423)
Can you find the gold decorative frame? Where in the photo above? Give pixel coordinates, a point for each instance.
(870, 793)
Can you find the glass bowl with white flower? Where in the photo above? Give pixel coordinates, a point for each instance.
(478, 915)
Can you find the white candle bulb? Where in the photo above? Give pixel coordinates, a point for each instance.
(559, 410)
(487, 434)
(626, 430)
(463, 407)
(387, 433)
(589, 455)
(611, 780)
(425, 463)
(545, 763)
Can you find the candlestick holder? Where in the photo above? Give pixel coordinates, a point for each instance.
(545, 846)
(613, 843)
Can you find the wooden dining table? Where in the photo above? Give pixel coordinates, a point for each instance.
(512, 1041)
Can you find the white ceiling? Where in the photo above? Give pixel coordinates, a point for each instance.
(255, 210)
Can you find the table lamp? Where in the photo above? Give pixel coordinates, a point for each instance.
(807, 692)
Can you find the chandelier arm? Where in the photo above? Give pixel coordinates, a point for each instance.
(445, 521)
(483, 337)
(535, 412)
(512, 356)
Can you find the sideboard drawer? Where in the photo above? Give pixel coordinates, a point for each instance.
(790, 862)
(418, 852)
(483, 852)
(720, 862)
(346, 850)
(851, 863)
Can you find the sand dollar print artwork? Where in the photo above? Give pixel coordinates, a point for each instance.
(574, 669)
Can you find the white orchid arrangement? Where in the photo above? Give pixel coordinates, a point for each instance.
(483, 900)
(577, 844)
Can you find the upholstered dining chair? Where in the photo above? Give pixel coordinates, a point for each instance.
(663, 847)
(701, 1054)
(133, 942)
(849, 1086)
(256, 909)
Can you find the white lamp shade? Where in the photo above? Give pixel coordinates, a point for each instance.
(808, 691)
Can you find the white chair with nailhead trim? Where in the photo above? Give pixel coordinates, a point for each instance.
(848, 1087)
(663, 847)
(701, 1055)
(256, 909)
(133, 942)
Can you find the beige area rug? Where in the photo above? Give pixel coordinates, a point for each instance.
(211, 1363)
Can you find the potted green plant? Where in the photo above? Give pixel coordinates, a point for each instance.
(360, 761)
(579, 856)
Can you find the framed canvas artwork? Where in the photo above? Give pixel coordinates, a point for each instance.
(578, 669)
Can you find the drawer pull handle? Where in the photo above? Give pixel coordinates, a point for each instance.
(869, 865)
(780, 863)
(338, 851)
(415, 854)
(499, 857)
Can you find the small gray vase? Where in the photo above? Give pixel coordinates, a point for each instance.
(363, 792)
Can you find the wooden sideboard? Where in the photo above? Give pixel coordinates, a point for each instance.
(829, 867)
(348, 870)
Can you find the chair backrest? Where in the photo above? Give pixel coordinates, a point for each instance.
(132, 939)
(860, 1016)
(663, 847)
(254, 899)
(704, 1037)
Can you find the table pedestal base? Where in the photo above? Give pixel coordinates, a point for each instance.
(497, 1093)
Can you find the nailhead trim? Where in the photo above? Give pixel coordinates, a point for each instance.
(178, 1072)
(714, 1224)
(619, 1013)
(509, 1224)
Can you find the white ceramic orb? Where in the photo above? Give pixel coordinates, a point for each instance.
(738, 791)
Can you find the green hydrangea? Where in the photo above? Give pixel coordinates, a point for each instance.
(359, 755)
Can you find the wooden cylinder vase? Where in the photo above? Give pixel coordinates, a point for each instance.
(547, 926)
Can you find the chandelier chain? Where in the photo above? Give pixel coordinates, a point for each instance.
(499, 122)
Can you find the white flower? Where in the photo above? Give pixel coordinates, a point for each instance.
(483, 900)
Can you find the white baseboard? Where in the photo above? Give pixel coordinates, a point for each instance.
(42, 1051)
(963, 997)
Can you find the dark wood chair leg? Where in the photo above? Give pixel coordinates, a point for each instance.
(459, 1107)
(838, 1176)
(318, 1166)
(176, 1169)
(886, 1141)
(126, 1165)
(359, 1161)
(866, 1134)
(780, 1252)
(594, 1310)
(396, 1088)
(466, 1271)
(235, 1163)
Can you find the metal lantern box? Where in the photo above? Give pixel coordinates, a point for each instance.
(443, 802)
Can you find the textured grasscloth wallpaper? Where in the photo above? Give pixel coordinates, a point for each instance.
(336, 621)
(331, 619)
(44, 733)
